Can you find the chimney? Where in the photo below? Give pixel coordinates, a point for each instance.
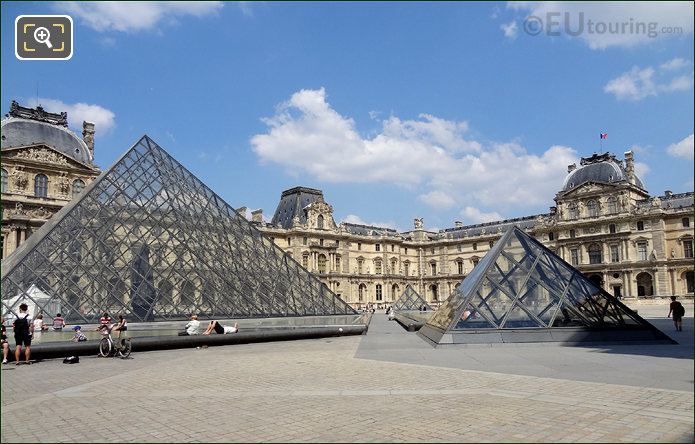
(630, 166)
(88, 136)
(458, 224)
(242, 211)
(668, 193)
(257, 215)
(571, 168)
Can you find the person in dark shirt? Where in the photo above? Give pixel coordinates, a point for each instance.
(678, 311)
(5, 344)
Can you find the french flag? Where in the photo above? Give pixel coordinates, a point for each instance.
(603, 135)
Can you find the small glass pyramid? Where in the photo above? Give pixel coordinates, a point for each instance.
(410, 300)
(149, 240)
(522, 292)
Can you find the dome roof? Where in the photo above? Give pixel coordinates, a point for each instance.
(603, 168)
(18, 132)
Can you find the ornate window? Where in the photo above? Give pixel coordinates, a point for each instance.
(322, 263)
(433, 266)
(612, 228)
(360, 265)
(379, 295)
(615, 253)
(4, 180)
(394, 263)
(394, 292)
(595, 254)
(305, 261)
(572, 211)
(41, 185)
(640, 225)
(475, 261)
(319, 222)
(475, 246)
(433, 289)
(406, 268)
(492, 243)
(377, 266)
(377, 247)
(573, 234)
(688, 276)
(337, 263)
(592, 208)
(574, 256)
(304, 241)
(359, 246)
(642, 251)
(612, 205)
(459, 264)
(685, 220)
(688, 248)
(289, 241)
(77, 187)
(551, 236)
(361, 292)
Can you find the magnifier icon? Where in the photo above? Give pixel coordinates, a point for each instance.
(42, 35)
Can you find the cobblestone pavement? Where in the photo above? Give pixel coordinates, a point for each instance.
(318, 390)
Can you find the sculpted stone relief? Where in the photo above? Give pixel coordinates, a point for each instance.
(42, 155)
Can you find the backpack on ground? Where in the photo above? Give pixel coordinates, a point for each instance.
(71, 360)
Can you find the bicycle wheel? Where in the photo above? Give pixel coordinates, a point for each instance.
(125, 348)
(104, 347)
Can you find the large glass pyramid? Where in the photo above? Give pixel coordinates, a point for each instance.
(522, 292)
(410, 300)
(149, 240)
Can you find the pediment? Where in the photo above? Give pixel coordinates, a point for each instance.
(42, 154)
(589, 188)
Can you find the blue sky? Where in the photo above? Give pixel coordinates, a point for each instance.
(447, 111)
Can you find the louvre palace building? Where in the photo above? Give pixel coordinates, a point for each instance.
(44, 164)
(603, 222)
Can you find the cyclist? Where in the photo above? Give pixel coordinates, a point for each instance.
(104, 324)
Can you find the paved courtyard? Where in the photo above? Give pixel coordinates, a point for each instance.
(385, 386)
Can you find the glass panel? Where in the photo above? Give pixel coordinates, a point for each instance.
(470, 319)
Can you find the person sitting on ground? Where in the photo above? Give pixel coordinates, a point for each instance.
(79, 336)
(39, 326)
(121, 325)
(5, 344)
(192, 328)
(58, 323)
(221, 329)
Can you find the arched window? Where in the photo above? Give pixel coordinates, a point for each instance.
(644, 284)
(77, 187)
(592, 208)
(361, 292)
(322, 263)
(379, 295)
(377, 266)
(572, 211)
(433, 290)
(595, 254)
(4, 180)
(394, 292)
(40, 185)
(612, 205)
(319, 222)
(305, 261)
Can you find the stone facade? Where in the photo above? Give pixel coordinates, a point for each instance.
(603, 222)
(44, 165)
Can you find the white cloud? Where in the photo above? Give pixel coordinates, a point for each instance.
(640, 83)
(613, 24)
(104, 120)
(510, 29)
(473, 215)
(683, 149)
(641, 170)
(135, 16)
(306, 134)
(354, 219)
(437, 199)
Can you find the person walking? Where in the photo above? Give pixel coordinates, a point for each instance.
(678, 311)
(22, 334)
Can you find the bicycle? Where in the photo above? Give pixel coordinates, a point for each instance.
(121, 348)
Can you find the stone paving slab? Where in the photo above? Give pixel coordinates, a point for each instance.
(321, 391)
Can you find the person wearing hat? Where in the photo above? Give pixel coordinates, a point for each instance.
(79, 336)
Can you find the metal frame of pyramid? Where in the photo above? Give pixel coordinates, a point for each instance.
(410, 300)
(523, 292)
(149, 240)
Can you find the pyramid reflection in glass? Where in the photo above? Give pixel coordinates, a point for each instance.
(410, 300)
